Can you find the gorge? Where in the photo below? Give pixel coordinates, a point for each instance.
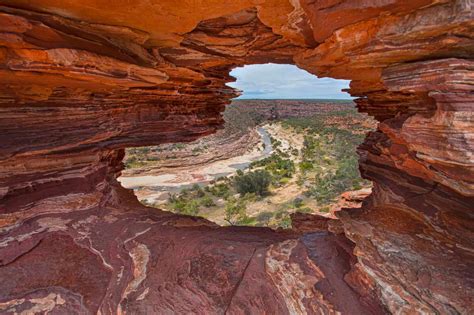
(273, 158)
(83, 80)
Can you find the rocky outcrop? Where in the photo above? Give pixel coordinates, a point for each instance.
(81, 81)
(137, 261)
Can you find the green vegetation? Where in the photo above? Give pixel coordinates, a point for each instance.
(282, 218)
(220, 190)
(207, 202)
(256, 182)
(275, 143)
(183, 206)
(139, 157)
(328, 157)
(278, 165)
(264, 217)
(190, 201)
(235, 211)
(318, 171)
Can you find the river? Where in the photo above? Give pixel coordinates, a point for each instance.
(158, 187)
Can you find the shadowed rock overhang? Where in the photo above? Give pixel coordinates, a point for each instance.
(82, 80)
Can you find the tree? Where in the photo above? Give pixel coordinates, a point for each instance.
(253, 182)
(235, 211)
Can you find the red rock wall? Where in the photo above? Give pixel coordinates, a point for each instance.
(82, 80)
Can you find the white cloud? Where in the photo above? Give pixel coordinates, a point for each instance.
(273, 81)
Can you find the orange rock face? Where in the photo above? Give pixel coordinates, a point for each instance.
(82, 80)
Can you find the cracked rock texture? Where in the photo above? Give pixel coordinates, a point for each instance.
(82, 80)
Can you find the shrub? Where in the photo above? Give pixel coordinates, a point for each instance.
(192, 208)
(280, 181)
(304, 210)
(172, 198)
(186, 207)
(256, 182)
(207, 201)
(178, 146)
(298, 202)
(324, 209)
(264, 217)
(184, 193)
(250, 197)
(220, 190)
(306, 166)
(275, 143)
(246, 220)
(282, 219)
(198, 190)
(278, 166)
(235, 211)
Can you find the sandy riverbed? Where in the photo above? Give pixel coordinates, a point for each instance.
(154, 188)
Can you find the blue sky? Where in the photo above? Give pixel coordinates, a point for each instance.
(272, 81)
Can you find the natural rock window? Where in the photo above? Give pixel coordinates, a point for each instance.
(81, 81)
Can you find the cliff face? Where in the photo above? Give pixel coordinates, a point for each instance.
(81, 80)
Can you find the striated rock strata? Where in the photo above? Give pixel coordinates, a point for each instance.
(82, 80)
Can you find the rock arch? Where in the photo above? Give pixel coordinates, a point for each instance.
(82, 80)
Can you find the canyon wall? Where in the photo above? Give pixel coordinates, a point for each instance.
(82, 80)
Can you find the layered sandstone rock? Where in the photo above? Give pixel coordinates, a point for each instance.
(82, 80)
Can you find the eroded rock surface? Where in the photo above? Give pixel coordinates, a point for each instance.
(82, 80)
(141, 261)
